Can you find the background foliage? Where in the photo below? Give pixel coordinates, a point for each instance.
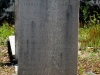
(7, 11)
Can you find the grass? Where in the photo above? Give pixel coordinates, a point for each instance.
(89, 56)
(89, 37)
(5, 31)
(5, 67)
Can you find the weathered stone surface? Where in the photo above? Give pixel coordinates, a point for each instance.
(47, 37)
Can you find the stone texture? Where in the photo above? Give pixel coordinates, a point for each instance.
(47, 37)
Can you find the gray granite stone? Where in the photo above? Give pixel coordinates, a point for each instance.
(47, 37)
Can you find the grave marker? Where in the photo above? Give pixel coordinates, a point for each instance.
(47, 37)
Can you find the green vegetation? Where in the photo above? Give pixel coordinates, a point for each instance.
(89, 58)
(5, 31)
(90, 37)
(84, 11)
(89, 43)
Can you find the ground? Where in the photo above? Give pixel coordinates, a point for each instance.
(88, 62)
(6, 68)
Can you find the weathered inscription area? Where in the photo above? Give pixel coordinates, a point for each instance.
(29, 4)
(46, 35)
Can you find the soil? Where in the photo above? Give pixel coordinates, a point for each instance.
(87, 62)
(6, 67)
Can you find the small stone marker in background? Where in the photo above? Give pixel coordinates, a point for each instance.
(11, 47)
(12, 43)
(47, 36)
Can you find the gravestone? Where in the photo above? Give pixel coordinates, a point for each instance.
(12, 44)
(11, 47)
(47, 36)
